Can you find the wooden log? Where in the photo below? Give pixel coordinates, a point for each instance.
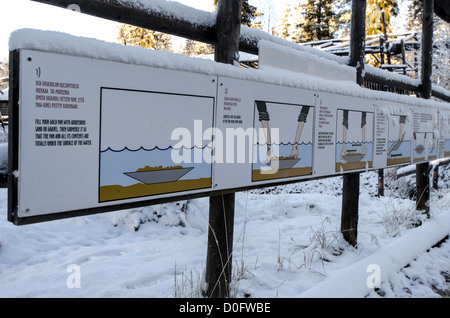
(350, 205)
(226, 48)
(427, 49)
(436, 178)
(386, 37)
(350, 188)
(423, 188)
(422, 170)
(358, 37)
(380, 182)
(126, 12)
(385, 81)
(220, 245)
(221, 207)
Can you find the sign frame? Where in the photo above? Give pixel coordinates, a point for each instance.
(239, 112)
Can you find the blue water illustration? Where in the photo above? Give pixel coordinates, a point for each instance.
(399, 151)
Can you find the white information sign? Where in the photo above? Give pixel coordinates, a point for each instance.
(267, 133)
(344, 135)
(93, 132)
(91, 135)
(444, 133)
(425, 134)
(394, 123)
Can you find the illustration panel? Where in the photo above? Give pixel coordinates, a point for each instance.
(354, 140)
(283, 147)
(425, 138)
(400, 138)
(153, 143)
(445, 118)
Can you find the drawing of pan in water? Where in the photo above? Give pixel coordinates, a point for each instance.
(158, 175)
(354, 140)
(424, 146)
(291, 154)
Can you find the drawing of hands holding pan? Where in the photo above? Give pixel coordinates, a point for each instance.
(351, 155)
(272, 160)
(420, 144)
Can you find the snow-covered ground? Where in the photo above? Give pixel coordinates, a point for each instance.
(287, 243)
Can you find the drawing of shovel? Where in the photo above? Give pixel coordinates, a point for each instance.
(397, 145)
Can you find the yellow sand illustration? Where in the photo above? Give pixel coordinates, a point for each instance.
(281, 173)
(396, 161)
(353, 165)
(117, 192)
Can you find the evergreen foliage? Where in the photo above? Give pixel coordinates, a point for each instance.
(132, 35)
(319, 22)
(374, 21)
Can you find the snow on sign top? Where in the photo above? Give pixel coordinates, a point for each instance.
(271, 54)
(58, 42)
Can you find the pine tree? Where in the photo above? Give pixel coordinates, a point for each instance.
(374, 21)
(415, 15)
(132, 35)
(441, 53)
(342, 17)
(268, 16)
(290, 27)
(193, 48)
(319, 20)
(441, 42)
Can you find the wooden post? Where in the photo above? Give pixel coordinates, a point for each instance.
(380, 182)
(436, 178)
(402, 43)
(382, 50)
(226, 48)
(423, 187)
(357, 38)
(221, 207)
(350, 203)
(350, 189)
(427, 49)
(386, 37)
(416, 66)
(422, 170)
(220, 245)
